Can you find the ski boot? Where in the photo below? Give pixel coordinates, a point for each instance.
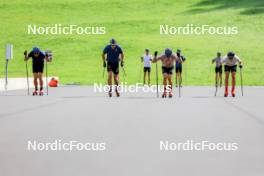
(170, 95)
(164, 95)
(226, 90)
(117, 94)
(110, 93)
(226, 93)
(233, 86)
(35, 93)
(233, 93)
(41, 93)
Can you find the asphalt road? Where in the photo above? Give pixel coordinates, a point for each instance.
(131, 128)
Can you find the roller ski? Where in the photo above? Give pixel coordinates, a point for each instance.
(164, 95)
(117, 94)
(170, 95)
(35, 93)
(41, 93)
(170, 91)
(110, 92)
(233, 92)
(226, 91)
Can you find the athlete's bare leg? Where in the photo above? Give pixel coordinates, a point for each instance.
(148, 78)
(233, 83)
(116, 79)
(109, 81)
(226, 83)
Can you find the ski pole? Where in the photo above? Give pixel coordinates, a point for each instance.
(6, 78)
(157, 80)
(140, 71)
(180, 82)
(47, 86)
(209, 73)
(185, 73)
(124, 73)
(103, 72)
(241, 81)
(27, 78)
(104, 68)
(216, 86)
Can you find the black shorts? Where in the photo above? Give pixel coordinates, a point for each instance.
(147, 69)
(167, 70)
(219, 69)
(230, 68)
(113, 67)
(178, 69)
(38, 68)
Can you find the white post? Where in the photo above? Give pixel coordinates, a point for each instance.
(9, 56)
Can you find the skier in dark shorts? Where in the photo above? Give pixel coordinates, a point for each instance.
(146, 59)
(112, 55)
(167, 59)
(38, 58)
(230, 61)
(178, 68)
(218, 68)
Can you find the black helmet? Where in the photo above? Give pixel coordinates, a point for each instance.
(178, 51)
(230, 54)
(147, 50)
(112, 41)
(168, 52)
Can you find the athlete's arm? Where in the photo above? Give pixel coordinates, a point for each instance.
(103, 57)
(27, 56)
(179, 59)
(104, 54)
(240, 64)
(151, 58)
(239, 61)
(122, 57)
(213, 60)
(183, 59)
(223, 60)
(157, 58)
(47, 57)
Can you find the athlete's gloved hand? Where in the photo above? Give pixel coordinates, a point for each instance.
(122, 64)
(156, 53)
(25, 52)
(240, 66)
(104, 64)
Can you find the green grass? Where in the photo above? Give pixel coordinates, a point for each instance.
(135, 25)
